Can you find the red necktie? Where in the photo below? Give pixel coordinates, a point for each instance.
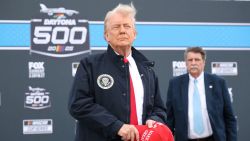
(133, 114)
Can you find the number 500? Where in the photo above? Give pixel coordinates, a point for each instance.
(43, 35)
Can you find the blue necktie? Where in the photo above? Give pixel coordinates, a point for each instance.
(197, 119)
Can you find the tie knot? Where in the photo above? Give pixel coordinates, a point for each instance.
(195, 81)
(125, 60)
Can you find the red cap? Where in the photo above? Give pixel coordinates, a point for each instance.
(159, 132)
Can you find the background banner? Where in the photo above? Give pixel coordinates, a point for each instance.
(41, 43)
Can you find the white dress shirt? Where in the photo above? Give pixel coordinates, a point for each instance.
(138, 87)
(205, 119)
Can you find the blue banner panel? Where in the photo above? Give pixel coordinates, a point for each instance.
(160, 35)
(14, 35)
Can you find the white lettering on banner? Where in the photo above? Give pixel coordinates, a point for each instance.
(37, 98)
(59, 22)
(36, 65)
(36, 69)
(43, 35)
(179, 68)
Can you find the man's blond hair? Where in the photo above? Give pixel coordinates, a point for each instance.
(124, 9)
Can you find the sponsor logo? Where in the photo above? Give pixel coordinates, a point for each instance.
(57, 36)
(36, 70)
(37, 126)
(105, 81)
(74, 68)
(179, 68)
(37, 98)
(59, 13)
(225, 68)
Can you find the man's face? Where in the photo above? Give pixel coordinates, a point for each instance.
(195, 64)
(120, 31)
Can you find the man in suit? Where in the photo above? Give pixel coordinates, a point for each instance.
(198, 103)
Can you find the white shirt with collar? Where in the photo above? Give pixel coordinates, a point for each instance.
(206, 122)
(138, 87)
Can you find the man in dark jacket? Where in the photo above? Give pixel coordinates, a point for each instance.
(106, 84)
(198, 103)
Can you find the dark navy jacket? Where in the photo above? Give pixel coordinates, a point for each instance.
(100, 96)
(220, 112)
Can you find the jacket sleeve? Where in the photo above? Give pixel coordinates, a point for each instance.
(229, 118)
(159, 109)
(82, 104)
(169, 105)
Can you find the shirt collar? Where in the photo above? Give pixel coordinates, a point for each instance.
(130, 58)
(201, 77)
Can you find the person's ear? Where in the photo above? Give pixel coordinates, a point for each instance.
(135, 33)
(105, 35)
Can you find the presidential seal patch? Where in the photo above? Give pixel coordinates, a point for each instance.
(105, 81)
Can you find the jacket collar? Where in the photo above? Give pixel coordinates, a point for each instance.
(113, 56)
(138, 57)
